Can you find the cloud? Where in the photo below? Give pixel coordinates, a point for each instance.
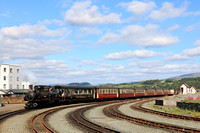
(130, 54)
(31, 42)
(192, 27)
(193, 13)
(60, 72)
(192, 52)
(24, 31)
(175, 27)
(186, 54)
(178, 57)
(48, 71)
(197, 42)
(147, 36)
(83, 13)
(53, 21)
(138, 7)
(167, 11)
(85, 31)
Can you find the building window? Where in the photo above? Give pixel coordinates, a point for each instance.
(23, 86)
(17, 86)
(10, 78)
(10, 86)
(17, 70)
(4, 69)
(17, 78)
(4, 86)
(4, 77)
(11, 70)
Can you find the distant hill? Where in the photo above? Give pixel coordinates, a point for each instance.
(191, 75)
(131, 83)
(79, 84)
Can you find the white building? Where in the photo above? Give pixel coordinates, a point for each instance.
(10, 77)
(185, 89)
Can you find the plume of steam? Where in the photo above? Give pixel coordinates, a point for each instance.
(28, 76)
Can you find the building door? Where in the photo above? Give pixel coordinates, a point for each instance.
(181, 90)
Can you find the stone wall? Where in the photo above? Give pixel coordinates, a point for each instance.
(162, 102)
(189, 106)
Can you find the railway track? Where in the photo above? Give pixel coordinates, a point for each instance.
(138, 106)
(114, 112)
(9, 114)
(38, 123)
(80, 119)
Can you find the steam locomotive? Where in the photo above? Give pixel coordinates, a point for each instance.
(46, 95)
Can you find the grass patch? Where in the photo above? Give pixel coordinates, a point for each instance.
(191, 101)
(176, 110)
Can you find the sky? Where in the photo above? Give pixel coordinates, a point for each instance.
(100, 41)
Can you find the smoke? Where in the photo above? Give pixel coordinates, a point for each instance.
(28, 76)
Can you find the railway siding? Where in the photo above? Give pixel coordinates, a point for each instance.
(134, 113)
(19, 123)
(60, 122)
(97, 116)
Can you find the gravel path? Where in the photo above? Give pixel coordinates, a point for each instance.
(97, 116)
(19, 123)
(59, 121)
(128, 111)
(11, 107)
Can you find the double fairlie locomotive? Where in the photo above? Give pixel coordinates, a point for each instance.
(46, 95)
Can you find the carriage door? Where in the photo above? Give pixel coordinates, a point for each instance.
(118, 96)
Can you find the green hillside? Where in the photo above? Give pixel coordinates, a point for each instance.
(159, 84)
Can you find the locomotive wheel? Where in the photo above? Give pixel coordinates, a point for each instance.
(35, 105)
(31, 105)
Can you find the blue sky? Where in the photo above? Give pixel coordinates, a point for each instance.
(100, 41)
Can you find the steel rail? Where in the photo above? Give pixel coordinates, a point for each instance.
(44, 114)
(113, 111)
(138, 106)
(79, 118)
(9, 114)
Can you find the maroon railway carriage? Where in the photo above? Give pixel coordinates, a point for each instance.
(151, 92)
(140, 92)
(126, 93)
(106, 93)
(159, 92)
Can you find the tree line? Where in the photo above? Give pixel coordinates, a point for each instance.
(159, 84)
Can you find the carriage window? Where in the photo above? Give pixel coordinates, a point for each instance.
(45, 88)
(140, 90)
(150, 90)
